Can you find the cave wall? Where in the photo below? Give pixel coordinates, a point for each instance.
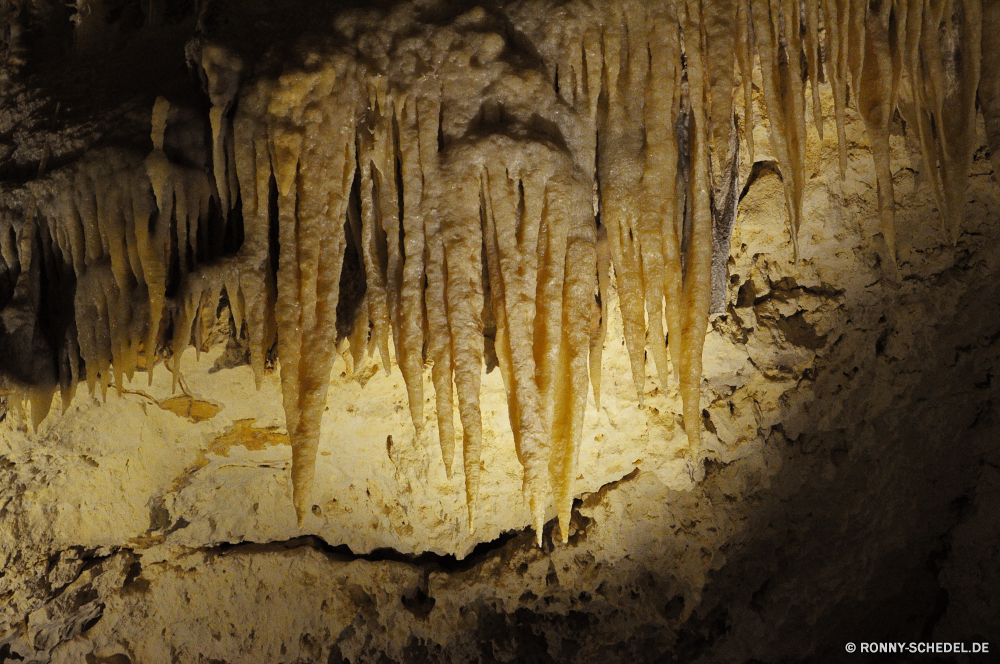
(849, 492)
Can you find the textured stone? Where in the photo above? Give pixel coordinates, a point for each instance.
(849, 491)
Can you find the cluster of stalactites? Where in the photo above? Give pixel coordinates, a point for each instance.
(492, 227)
(506, 230)
(924, 59)
(117, 232)
(489, 229)
(654, 88)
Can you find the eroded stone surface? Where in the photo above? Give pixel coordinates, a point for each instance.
(849, 489)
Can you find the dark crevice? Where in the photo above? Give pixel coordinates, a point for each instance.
(440, 132)
(380, 236)
(57, 287)
(522, 538)
(682, 129)
(9, 655)
(353, 280)
(398, 175)
(274, 242)
(173, 255)
(343, 553)
(488, 317)
(758, 169)
(25, 351)
(93, 621)
(235, 231)
(521, 213)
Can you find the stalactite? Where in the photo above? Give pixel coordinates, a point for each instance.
(964, 38)
(9, 250)
(659, 229)
(920, 88)
(778, 44)
(183, 195)
(696, 293)
(386, 195)
(542, 265)
(24, 362)
(511, 237)
(835, 23)
(813, 60)
(744, 55)
(374, 239)
(253, 166)
(874, 92)
(932, 79)
(439, 342)
(725, 198)
(313, 162)
(90, 215)
(599, 331)
(461, 240)
(718, 25)
(411, 297)
(619, 169)
(222, 73)
(572, 256)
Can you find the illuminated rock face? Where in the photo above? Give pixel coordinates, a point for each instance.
(846, 412)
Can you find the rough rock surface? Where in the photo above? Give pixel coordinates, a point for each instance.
(850, 488)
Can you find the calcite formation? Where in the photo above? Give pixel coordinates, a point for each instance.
(487, 171)
(849, 489)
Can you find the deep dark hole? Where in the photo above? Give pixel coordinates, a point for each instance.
(55, 306)
(272, 226)
(235, 231)
(398, 174)
(353, 281)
